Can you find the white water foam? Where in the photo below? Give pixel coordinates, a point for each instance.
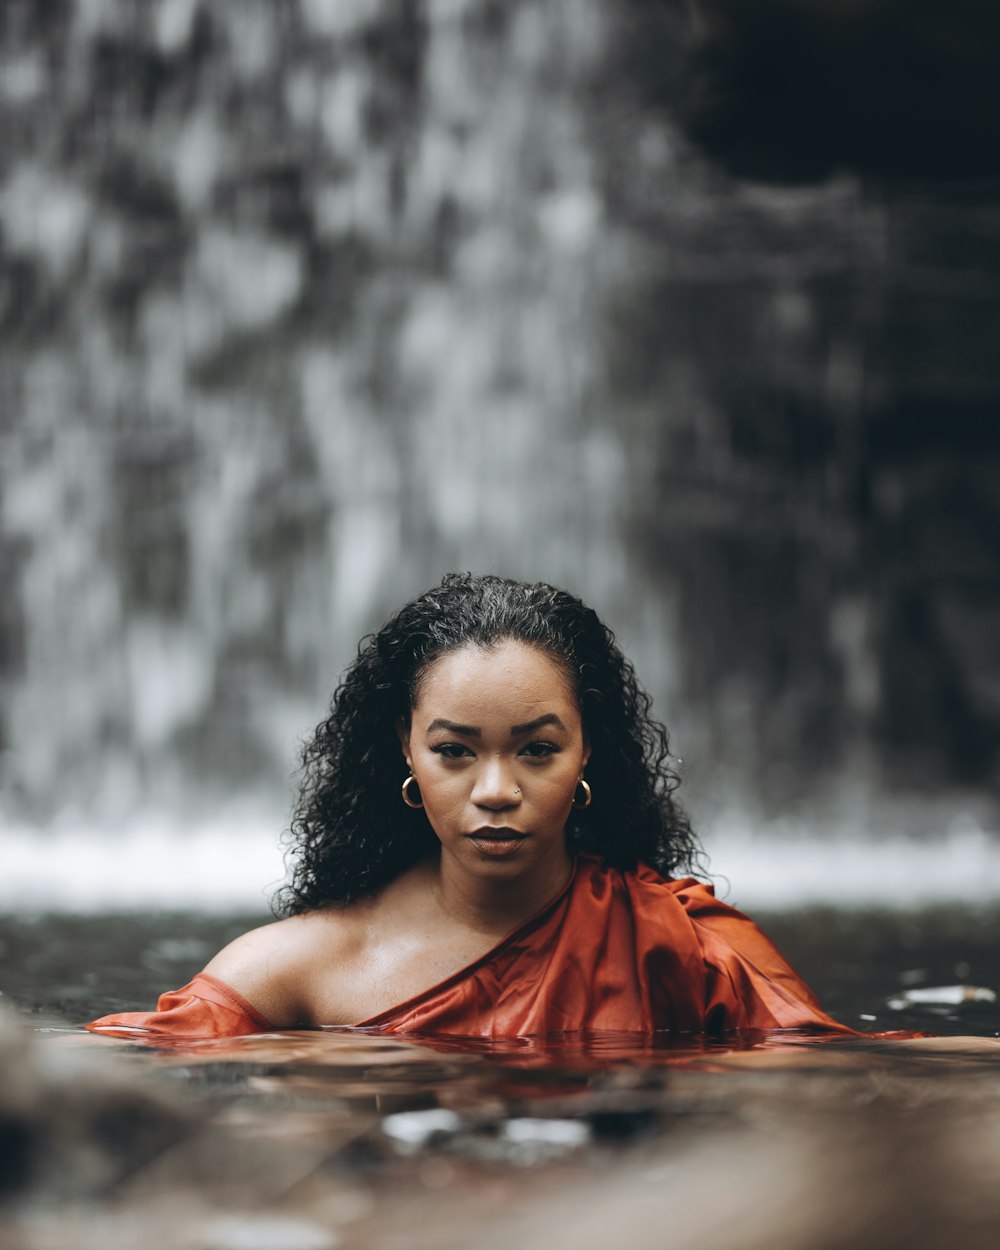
(234, 863)
(155, 862)
(780, 867)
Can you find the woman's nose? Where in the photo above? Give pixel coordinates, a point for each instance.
(495, 786)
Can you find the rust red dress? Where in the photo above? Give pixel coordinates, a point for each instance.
(616, 950)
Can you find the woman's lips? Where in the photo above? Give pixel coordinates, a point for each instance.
(496, 842)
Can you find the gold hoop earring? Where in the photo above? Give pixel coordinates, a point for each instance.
(587, 796)
(407, 799)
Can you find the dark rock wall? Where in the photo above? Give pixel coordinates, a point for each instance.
(303, 304)
(834, 309)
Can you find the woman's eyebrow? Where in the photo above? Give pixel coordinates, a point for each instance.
(467, 731)
(549, 718)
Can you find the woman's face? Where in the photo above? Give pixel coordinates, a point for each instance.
(496, 745)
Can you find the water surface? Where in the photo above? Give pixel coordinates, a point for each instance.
(340, 1138)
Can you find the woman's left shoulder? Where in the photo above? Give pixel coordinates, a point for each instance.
(644, 885)
(692, 894)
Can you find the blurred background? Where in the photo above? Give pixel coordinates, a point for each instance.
(688, 306)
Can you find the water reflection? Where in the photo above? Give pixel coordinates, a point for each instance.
(586, 1073)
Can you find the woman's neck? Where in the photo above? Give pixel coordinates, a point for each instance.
(494, 905)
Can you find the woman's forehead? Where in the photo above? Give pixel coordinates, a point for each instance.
(510, 671)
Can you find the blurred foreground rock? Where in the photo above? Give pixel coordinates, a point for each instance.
(94, 1153)
(72, 1127)
(891, 1161)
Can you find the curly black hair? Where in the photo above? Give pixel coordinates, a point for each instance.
(351, 833)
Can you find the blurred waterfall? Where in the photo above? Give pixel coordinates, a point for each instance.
(303, 320)
(305, 304)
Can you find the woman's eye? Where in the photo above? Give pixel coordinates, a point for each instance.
(539, 750)
(450, 750)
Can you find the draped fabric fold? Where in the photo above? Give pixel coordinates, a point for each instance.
(205, 1007)
(616, 950)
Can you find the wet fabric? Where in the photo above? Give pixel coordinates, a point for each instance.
(616, 950)
(205, 1007)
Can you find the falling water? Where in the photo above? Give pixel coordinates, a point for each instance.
(307, 304)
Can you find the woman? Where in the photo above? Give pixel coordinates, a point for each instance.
(484, 846)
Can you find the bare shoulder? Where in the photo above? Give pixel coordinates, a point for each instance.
(274, 967)
(342, 964)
